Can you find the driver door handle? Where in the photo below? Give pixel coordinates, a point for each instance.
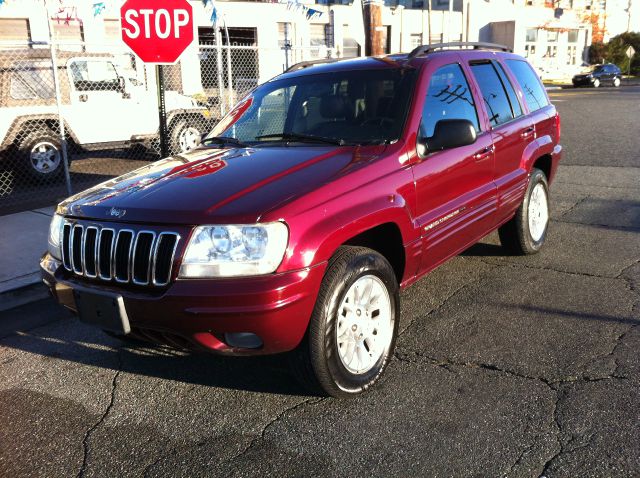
(527, 132)
(484, 153)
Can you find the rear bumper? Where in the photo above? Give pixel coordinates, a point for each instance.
(198, 313)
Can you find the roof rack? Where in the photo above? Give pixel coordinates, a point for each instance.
(305, 64)
(425, 49)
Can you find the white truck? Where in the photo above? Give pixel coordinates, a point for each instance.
(103, 106)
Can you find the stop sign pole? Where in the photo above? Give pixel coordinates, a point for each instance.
(158, 33)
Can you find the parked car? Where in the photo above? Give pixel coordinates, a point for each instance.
(599, 75)
(311, 205)
(102, 107)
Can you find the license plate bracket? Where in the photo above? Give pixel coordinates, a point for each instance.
(103, 310)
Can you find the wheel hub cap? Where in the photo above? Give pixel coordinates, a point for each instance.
(538, 212)
(189, 139)
(365, 324)
(45, 157)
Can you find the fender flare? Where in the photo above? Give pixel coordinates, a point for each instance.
(541, 146)
(16, 129)
(338, 229)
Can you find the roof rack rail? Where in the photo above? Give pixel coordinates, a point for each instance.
(305, 64)
(425, 49)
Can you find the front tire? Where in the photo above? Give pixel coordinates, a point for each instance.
(353, 328)
(526, 233)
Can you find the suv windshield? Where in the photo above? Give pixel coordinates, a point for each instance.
(340, 107)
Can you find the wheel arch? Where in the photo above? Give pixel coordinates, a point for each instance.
(24, 126)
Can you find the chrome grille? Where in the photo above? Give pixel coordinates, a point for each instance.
(121, 255)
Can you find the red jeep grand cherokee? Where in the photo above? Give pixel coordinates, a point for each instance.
(324, 192)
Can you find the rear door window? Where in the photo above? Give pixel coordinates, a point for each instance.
(511, 92)
(493, 92)
(448, 97)
(531, 85)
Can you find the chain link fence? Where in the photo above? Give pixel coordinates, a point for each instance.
(72, 116)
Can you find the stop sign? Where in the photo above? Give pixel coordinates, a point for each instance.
(158, 32)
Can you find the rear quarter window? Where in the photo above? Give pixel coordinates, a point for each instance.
(534, 94)
(31, 80)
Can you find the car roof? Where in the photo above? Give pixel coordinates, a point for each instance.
(414, 59)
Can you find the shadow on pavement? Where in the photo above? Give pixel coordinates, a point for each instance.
(65, 338)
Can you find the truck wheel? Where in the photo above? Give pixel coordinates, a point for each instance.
(527, 231)
(184, 137)
(353, 328)
(42, 155)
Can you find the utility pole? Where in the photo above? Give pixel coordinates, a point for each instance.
(373, 29)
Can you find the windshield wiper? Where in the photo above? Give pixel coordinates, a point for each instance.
(304, 138)
(222, 140)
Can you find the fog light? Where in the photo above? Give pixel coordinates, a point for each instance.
(243, 340)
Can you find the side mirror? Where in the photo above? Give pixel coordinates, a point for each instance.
(448, 134)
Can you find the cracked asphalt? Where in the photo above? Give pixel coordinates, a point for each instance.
(505, 366)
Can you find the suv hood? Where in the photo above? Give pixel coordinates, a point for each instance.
(215, 185)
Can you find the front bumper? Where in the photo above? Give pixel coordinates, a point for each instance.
(582, 81)
(197, 314)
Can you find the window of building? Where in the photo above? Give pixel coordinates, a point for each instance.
(552, 36)
(572, 36)
(529, 82)
(71, 31)
(448, 97)
(415, 40)
(15, 29)
(529, 50)
(318, 34)
(493, 93)
(532, 35)
(571, 55)
(350, 47)
(285, 34)
(552, 51)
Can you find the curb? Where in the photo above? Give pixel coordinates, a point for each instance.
(23, 295)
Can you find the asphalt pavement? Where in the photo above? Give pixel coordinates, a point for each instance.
(505, 366)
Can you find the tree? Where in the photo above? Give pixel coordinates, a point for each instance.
(615, 52)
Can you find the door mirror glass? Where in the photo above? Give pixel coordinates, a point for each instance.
(448, 134)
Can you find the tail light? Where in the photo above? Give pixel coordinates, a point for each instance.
(558, 126)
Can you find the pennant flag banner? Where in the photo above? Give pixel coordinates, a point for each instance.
(210, 7)
(98, 8)
(296, 6)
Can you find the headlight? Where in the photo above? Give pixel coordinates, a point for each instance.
(55, 236)
(231, 251)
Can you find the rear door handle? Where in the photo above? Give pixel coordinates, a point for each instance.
(483, 154)
(527, 132)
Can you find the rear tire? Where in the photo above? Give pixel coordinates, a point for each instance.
(353, 328)
(526, 233)
(596, 83)
(616, 82)
(184, 137)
